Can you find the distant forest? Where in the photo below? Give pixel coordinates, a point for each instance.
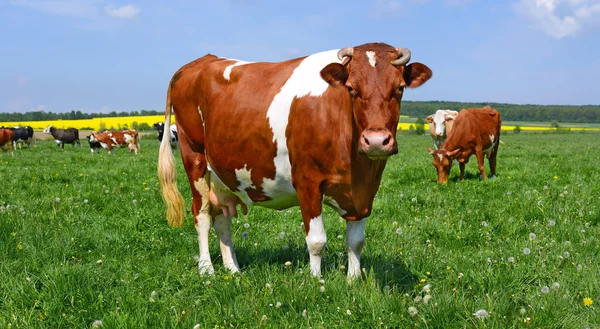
(509, 112)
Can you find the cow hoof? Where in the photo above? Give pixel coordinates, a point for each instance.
(493, 176)
(206, 268)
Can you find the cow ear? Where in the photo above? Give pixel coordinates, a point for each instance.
(335, 74)
(430, 150)
(416, 74)
(430, 119)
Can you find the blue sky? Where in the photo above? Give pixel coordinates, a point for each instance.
(105, 55)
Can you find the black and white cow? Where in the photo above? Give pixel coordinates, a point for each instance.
(64, 136)
(94, 144)
(161, 129)
(23, 135)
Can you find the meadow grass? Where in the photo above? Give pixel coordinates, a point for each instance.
(84, 238)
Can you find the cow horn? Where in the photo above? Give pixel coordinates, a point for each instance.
(348, 51)
(403, 57)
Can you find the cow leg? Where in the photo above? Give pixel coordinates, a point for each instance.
(462, 170)
(355, 241)
(195, 167)
(223, 229)
(316, 239)
(480, 157)
(492, 160)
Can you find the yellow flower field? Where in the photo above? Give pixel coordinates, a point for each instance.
(406, 126)
(95, 123)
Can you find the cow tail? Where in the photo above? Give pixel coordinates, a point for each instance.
(167, 174)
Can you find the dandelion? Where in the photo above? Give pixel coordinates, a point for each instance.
(427, 288)
(99, 262)
(278, 305)
(197, 326)
(460, 275)
(19, 247)
(481, 314)
(412, 311)
(418, 299)
(322, 289)
(348, 312)
(426, 298)
(545, 290)
(304, 313)
(522, 310)
(134, 201)
(526, 251)
(551, 222)
(532, 236)
(246, 225)
(386, 288)
(511, 260)
(588, 301)
(556, 285)
(57, 199)
(244, 235)
(484, 224)
(97, 324)
(106, 191)
(566, 254)
(207, 283)
(288, 264)
(85, 201)
(398, 231)
(340, 237)
(567, 244)
(414, 199)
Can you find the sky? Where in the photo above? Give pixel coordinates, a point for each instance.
(113, 55)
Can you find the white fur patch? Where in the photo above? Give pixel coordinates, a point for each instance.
(372, 57)
(113, 139)
(305, 80)
(316, 239)
(440, 156)
(227, 72)
(244, 177)
(355, 240)
(492, 139)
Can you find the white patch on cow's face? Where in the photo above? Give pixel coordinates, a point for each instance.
(93, 138)
(440, 156)
(333, 204)
(244, 177)
(227, 72)
(438, 126)
(305, 80)
(372, 57)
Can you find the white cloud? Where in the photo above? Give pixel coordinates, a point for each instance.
(560, 18)
(126, 11)
(77, 8)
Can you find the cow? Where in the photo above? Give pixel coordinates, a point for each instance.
(94, 144)
(23, 135)
(7, 140)
(64, 136)
(440, 125)
(110, 140)
(304, 132)
(476, 131)
(160, 127)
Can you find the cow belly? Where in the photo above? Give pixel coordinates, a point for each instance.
(277, 193)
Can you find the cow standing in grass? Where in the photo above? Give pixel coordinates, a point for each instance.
(23, 135)
(160, 127)
(308, 131)
(440, 125)
(64, 136)
(110, 140)
(7, 140)
(476, 131)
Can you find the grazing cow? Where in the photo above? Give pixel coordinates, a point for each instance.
(23, 135)
(161, 129)
(110, 140)
(94, 144)
(476, 131)
(440, 125)
(308, 131)
(64, 136)
(7, 140)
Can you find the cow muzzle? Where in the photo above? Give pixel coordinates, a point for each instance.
(377, 144)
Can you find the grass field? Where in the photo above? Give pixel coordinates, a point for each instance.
(84, 240)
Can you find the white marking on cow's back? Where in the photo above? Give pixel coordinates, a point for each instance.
(305, 80)
(372, 57)
(227, 72)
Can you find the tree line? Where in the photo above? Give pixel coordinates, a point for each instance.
(509, 112)
(512, 112)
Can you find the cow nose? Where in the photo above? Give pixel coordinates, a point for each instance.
(439, 133)
(379, 143)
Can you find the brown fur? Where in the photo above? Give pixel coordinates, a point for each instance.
(6, 140)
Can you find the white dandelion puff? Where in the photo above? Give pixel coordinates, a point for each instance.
(481, 314)
(288, 264)
(97, 324)
(412, 311)
(426, 298)
(304, 313)
(57, 199)
(526, 251)
(246, 225)
(348, 312)
(566, 254)
(545, 290)
(278, 305)
(532, 236)
(556, 285)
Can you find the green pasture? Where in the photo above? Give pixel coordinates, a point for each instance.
(83, 240)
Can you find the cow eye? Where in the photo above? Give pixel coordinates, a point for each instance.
(351, 90)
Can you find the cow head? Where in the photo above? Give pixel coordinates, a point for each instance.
(48, 129)
(375, 76)
(160, 127)
(91, 137)
(442, 161)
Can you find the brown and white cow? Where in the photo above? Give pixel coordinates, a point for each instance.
(111, 139)
(440, 125)
(7, 138)
(476, 131)
(308, 131)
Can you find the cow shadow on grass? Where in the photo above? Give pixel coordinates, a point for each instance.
(385, 270)
(474, 175)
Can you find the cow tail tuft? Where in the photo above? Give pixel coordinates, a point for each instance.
(167, 174)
